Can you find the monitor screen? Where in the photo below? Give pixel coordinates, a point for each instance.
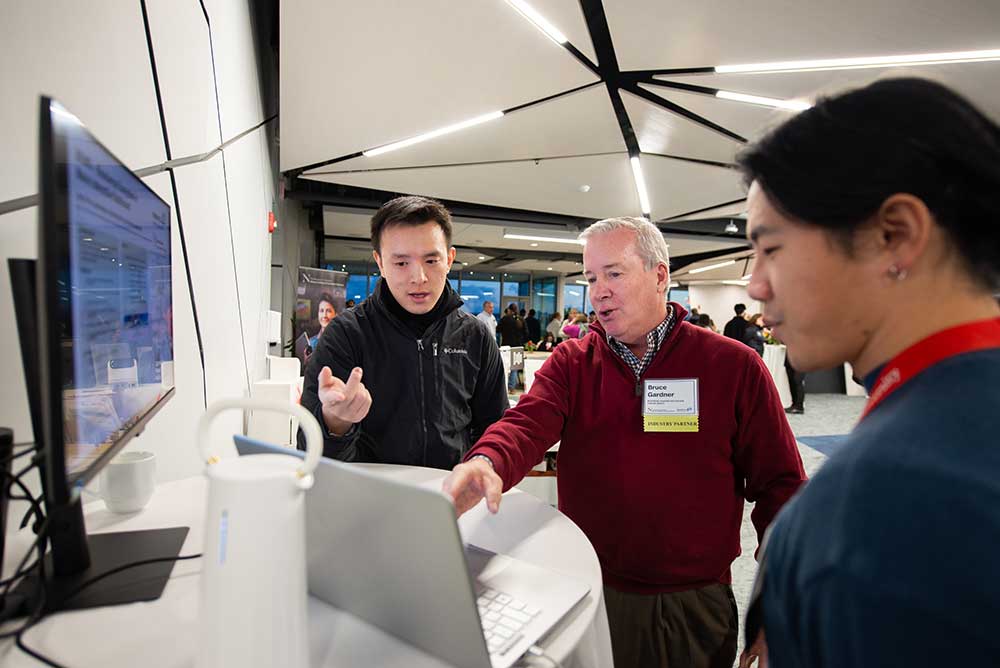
(115, 304)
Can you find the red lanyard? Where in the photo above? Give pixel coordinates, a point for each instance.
(966, 338)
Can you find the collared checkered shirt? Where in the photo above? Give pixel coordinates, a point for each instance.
(654, 340)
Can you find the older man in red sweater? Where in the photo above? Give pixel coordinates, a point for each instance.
(666, 429)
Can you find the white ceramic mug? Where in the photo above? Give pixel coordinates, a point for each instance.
(127, 482)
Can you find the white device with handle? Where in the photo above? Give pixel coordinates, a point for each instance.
(253, 584)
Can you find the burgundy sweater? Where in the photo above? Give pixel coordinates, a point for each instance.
(663, 510)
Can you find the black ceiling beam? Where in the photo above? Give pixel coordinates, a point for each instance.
(691, 88)
(681, 111)
(703, 209)
(700, 161)
(357, 154)
(677, 71)
(512, 254)
(321, 192)
(607, 62)
(472, 164)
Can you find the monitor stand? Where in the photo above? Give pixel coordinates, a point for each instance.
(108, 551)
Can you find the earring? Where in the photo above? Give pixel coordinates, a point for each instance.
(895, 272)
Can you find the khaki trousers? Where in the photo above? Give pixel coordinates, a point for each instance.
(686, 629)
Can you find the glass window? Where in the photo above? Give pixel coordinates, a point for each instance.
(544, 299)
(573, 296)
(478, 289)
(681, 297)
(517, 290)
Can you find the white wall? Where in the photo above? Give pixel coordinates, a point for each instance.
(93, 57)
(718, 301)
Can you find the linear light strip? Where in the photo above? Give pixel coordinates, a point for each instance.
(493, 115)
(712, 266)
(794, 105)
(529, 237)
(857, 63)
(640, 185)
(581, 282)
(539, 21)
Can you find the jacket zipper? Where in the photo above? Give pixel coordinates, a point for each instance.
(420, 377)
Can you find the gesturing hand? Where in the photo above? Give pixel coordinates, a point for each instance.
(344, 404)
(470, 482)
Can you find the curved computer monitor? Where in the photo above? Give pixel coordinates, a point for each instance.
(104, 347)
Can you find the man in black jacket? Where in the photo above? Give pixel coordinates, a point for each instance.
(406, 377)
(737, 327)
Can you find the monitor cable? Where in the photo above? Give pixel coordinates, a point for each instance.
(40, 528)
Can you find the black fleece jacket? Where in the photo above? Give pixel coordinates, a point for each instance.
(433, 394)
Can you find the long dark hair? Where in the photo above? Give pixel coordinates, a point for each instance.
(835, 164)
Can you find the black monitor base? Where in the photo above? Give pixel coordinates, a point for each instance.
(107, 552)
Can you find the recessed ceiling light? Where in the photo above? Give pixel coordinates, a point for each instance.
(585, 188)
(640, 185)
(465, 264)
(493, 115)
(482, 257)
(533, 244)
(712, 266)
(794, 105)
(539, 21)
(531, 237)
(858, 63)
(548, 268)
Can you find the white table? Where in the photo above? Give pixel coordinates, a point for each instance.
(774, 359)
(163, 633)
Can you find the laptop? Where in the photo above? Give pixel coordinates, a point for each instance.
(390, 552)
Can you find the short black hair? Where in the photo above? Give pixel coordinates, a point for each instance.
(740, 308)
(835, 164)
(409, 210)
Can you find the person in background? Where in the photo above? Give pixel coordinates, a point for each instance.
(754, 334)
(576, 329)
(882, 203)
(511, 330)
(554, 326)
(349, 304)
(532, 327)
(569, 320)
(704, 320)
(592, 317)
(487, 318)
(660, 498)
(736, 328)
(693, 315)
(325, 312)
(797, 388)
(432, 376)
(548, 343)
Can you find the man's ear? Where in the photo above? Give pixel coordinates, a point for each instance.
(378, 260)
(451, 257)
(662, 278)
(903, 226)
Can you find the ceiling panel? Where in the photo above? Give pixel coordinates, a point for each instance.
(677, 186)
(546, 185)
(977, 81)
(737, 209)
(575, 124)
(356, 75)
(689, 245)
(748, 120)
(662, 131)
(652, 34)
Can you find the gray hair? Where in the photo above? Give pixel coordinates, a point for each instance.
(649, 242)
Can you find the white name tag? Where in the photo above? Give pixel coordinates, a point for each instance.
(670, 404)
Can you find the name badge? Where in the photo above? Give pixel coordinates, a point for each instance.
(670, 405)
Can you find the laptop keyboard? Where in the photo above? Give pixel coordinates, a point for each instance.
(503, 618)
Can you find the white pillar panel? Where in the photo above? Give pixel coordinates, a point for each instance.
(18, 239)
(202, 195)
(235, 66)
(92, 57)
(251, 194)
(184, 68)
